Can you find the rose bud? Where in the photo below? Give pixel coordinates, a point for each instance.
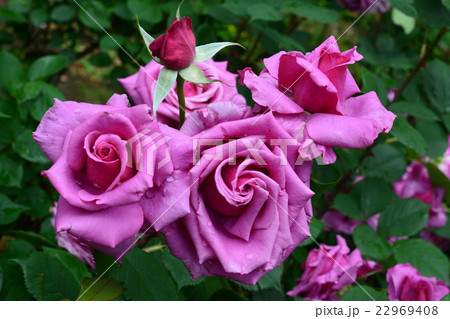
(176, 47)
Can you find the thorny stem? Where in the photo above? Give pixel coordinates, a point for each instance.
(181, 100)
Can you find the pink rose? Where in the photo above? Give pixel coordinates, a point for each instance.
(140, 87)
(65, 240)
(406, 284)
(444, 166)
(104, 161)
(247, 212)
(338, 222)
(176, 47)
(317, 88)
(324, 271)
(416, 183)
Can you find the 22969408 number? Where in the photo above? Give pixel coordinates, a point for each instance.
(406, 310)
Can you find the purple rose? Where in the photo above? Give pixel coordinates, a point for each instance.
(360, 6)
(176, 47)
(248, 207)
(416, 183)
(338, 222)
(140, 87)
(316, 88)
(324, 273)
(406, 284)
(105, 158)
(444, 166)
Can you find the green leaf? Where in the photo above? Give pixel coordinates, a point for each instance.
(405, 217)
(312, 12)
(48, 279)
(7, 14)
(435, 135)
(46, 66)
(148, 11)
(263, 12)
(9, 211)
(63, 13)
(405, 6)
(406, 22)
(13, 283)
(147, 40)
(207, 51)
(356, 293)
(36, 199)
(414, 109)
(144, 277)
(347, 206)
(95, 15)
(436, 81)
(439, 179)
(370, 243)
(444, 231)
(178, 271)
(104, 289)
(165, 83)
(433, 13)
(11, 69)
(426, 257)
(44, 101)
(272, 280)
(1, 277)
(75, 266)
(28, 149)
(107, 42)
(38, 17)
(374, 195)
(34, 238)
(193, 74)
(446, 121)
(387, 163)
(409, 136)
(11, 172)
(372, 82)
(446, 298)
(315, 227)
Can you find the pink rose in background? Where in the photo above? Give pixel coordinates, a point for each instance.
(338, 222)
(247, 212)
(316, 88)
(323, 276)
(176, 47)
(444, 166)
(141, 86)
(65, 240)
(416, 183)
(360, 6)
(406, 284)
(101, 169)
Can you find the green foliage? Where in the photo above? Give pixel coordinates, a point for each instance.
(427, 258)
(370, 243)
(366, 293)
(103, 289)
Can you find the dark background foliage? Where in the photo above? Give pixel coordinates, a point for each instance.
(53, 49)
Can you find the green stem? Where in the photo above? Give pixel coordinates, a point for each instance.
(181, 100)
(419, 64)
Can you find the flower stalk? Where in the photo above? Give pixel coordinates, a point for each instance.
(181, 100)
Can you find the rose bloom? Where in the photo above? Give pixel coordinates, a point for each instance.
(444, 166)
(406, 284)
(416, 183)
(141, 87)
(102, 170)
(324, 273)
(176, 47)
(360, 6)
(317, 88)
(247, 210)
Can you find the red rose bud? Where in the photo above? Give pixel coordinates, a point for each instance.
(176, 47)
